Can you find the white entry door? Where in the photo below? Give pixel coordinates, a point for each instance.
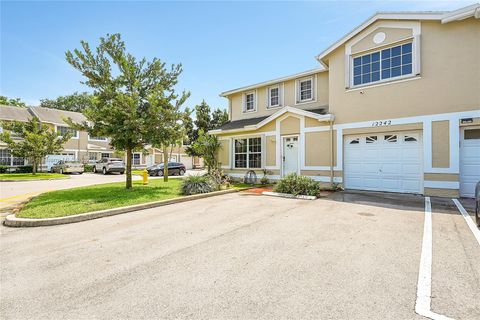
(290, 155)
(469, 161)
(384, 162)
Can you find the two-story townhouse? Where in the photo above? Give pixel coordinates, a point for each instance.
(394, 106)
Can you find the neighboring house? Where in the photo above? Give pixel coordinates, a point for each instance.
(81, 147)
(394, 106)
(8, 113)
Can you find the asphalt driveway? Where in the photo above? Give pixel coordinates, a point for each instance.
(242, 256)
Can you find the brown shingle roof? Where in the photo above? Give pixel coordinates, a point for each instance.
(14, 113)
(56, 116)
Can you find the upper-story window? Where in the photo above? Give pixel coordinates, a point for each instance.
(61, 130)
(249, 102)
(382, 65)
(274, 99)
(305, 89)
(97, 138)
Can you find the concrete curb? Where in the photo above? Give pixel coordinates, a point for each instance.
(66, 178)
(289, 196)
(12, 221)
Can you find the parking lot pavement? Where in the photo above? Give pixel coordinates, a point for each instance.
(240, 256)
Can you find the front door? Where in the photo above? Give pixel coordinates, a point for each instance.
(469, 161)
(290, 155)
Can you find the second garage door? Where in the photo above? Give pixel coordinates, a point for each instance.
(384, 162)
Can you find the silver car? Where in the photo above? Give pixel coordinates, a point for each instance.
(108, 165)
(63, 166)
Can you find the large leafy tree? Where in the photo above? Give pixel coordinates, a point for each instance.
(219, 118)
(33, 140)
(74, 102)
(129, 94)
(16, 102)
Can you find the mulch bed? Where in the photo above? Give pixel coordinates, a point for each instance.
(259, 190)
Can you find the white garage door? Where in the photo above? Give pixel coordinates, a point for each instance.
(384, 162)
(469, 161)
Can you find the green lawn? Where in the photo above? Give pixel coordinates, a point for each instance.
(98, 197)
(29, 176)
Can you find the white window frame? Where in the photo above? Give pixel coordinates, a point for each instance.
(248, 152)
(254, 92)
(298, 82)
(379, 49)
(102, 140)
(140, 162)
(269, 96)
(77, 136)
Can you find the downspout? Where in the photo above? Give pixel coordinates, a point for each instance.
(331, 152)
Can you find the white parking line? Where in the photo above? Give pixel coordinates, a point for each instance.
(468, 219)
(424, 285)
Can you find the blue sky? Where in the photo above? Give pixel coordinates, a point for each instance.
(222, 45)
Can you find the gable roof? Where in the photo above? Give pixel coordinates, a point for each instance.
(443, 16)
(256, 123)
(56, 116)
(14, 113)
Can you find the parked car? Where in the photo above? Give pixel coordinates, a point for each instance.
(173, 168)
(65, 166)
(108, 165)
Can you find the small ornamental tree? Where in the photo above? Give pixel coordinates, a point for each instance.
(168, 129)
(35, 141)
(129, 94)
(208, 146)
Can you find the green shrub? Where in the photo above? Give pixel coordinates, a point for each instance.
(24, 169)
(3, 169)
(297, 185)
(197, 184)
(88, 168)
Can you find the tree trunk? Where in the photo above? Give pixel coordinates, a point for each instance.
(128, 184)
(165, 164)
(34, 166)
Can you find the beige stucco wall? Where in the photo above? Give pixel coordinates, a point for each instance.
(317, 148)
(391, 35)
(444, 86)
(224, 152)
(400, 127)
(446, 193)
(440, 144)
(290, 125)
(289, 95)
(441, 177)
(270, 150)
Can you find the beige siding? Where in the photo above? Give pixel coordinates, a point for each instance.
(441, 177)
(289, 98)
(270, 151)
(444, 86)
(401, 127)
(290, 125)
(317, 148)
(446, 193)
(391, 35)
(440, 144)
(224, 153)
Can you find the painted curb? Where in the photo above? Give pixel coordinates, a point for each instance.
(289, 196)
(12, 221)
(66, 178)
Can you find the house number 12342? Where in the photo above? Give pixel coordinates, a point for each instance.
(381, 123)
